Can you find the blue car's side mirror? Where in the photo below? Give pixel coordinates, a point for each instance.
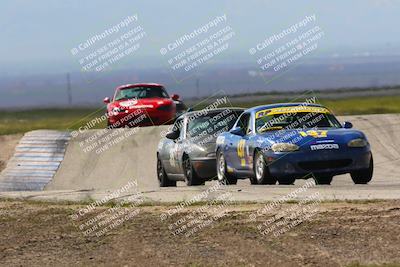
(237, 131)
(347, 125)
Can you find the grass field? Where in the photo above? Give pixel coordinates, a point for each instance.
(61, 119)
(58, 119)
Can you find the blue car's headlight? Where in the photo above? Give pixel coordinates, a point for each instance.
(359, 142)
(284, 147)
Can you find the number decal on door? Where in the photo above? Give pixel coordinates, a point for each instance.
(240, 148)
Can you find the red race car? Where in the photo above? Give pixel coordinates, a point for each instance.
(143, 104)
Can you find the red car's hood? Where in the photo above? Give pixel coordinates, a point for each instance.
(142, 103)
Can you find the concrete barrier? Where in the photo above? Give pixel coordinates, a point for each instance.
(133, 157)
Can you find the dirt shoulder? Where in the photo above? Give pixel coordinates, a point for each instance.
(338, 234)
(7, 148)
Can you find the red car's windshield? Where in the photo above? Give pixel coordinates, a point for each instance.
(141, 92)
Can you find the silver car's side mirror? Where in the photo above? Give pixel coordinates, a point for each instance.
(173, 135)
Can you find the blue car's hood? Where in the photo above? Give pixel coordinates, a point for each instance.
(303, 137)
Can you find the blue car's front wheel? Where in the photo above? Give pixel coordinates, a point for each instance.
(261, 171)
(222, 174)
(363, 176)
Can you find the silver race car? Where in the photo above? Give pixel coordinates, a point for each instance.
(187, 153)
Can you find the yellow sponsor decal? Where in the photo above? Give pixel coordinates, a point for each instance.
(240, 148)
(314, 133)
(294, 109)
(262, 113)
(243, 162)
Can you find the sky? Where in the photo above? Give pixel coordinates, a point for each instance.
(38, 35)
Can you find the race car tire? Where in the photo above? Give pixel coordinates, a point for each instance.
(191, 176)
(261, 171)
(286, 180)
(222, 174)
(363, 176)
(163, 179)
(323, 180)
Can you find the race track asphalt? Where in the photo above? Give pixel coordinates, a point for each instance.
(132, 158)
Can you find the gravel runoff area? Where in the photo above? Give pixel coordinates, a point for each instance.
(337, 234)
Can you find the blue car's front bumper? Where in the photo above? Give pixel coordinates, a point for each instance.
(324, 162)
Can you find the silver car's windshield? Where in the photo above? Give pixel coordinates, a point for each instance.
(209, 126)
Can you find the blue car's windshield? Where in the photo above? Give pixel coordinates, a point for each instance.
(295, 121)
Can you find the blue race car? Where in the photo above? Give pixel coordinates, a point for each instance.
(285, 142)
